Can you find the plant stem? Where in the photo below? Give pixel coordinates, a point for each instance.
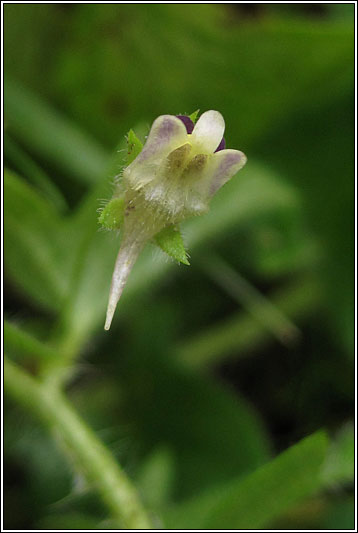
(89, 454)
(241, 334)
(259, 306)
(18, 340)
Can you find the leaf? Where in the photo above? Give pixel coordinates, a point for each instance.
(253, 502)
(134, 146)
(214, 436)
(340, 516)
(112, 215)
(51, 136)
(64, 521)
(171, 242)
(46, 472)
(193, 117)
(339, 466)
(28, 168)
(156, 476)
(35, 245)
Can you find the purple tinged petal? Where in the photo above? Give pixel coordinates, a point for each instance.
(188, 123)
(221, 146)
(165, 131)
(225, 164)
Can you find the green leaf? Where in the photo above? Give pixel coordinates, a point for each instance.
(112, 216)
(339, 466)
(340, 516)
(214, 436)
(259, 498)
(194, 116)
(134, 146)
(69, 520)
(51, 136)
(155, 478)
(36, 250)
(28, 168)
(46, 472)
(171, 242)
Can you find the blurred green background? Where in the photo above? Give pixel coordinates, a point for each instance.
(209, 371)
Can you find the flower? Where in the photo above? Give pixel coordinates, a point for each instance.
(175, 175)
(179, 170)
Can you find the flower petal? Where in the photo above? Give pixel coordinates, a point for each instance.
(223, 166)
(208, 132)
(167, 133)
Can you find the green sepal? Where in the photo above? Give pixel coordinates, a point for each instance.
(171, 242)
(112, 215)
(194, 116)
(134, 146)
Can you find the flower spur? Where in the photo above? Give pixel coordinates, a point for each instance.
(174, 176)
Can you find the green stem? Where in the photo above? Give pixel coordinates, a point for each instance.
(23, 343)
(241, 334)
(89, 454)
(261, 308)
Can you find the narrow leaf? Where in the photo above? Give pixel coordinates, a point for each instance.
(52, 136)
(255, 501)
(35, 244)
(27, 167)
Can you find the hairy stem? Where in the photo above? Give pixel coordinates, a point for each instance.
(90, 456)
